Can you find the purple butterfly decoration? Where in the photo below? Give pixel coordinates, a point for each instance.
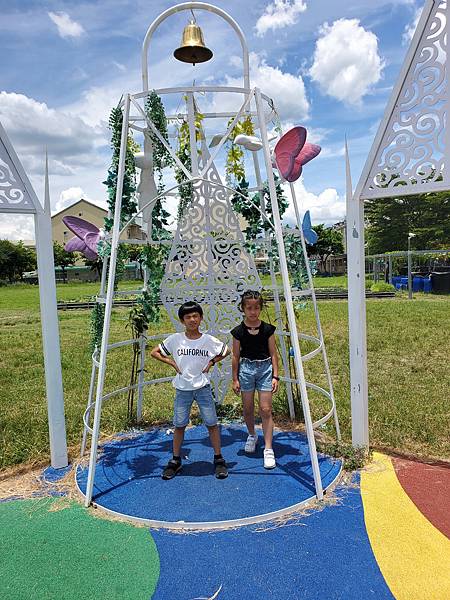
(86, 238)
(292, 152)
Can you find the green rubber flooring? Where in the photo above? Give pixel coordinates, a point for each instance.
(48, 551)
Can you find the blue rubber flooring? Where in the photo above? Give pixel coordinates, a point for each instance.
(323, 556)
(128, 477)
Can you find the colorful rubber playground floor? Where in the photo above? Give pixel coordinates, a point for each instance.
(382, 534)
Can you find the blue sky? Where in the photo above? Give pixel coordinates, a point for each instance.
(328, 65)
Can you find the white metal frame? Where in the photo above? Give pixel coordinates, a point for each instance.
(17, 196)
(420, 158)
(201, 175)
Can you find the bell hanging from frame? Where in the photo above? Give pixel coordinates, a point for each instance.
(193, 49)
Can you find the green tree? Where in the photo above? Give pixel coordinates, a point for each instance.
(63, 258)
(26, 259)
(15, 259)
(7, 254)
(95, 265)
(329, 242)
(135, 254)
(389, 220)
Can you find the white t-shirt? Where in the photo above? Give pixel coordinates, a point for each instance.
(191, 357)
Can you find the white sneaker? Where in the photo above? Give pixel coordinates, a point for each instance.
(269, 459)
(251, 443)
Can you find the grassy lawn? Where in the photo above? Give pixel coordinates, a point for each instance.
(408, 348)
(26, 296)
(339, 281)
(336, 281)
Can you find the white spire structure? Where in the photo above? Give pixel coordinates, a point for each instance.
(356, 312)
(208, 260)
(410, 155)
(18, 196)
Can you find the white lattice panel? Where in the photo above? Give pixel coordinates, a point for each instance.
(209, 264)
(411, 151)
(16, 193)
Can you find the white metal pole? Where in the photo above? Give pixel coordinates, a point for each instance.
(357, 314)
(142, 345)
(288, 298)
(109, 303)
(316, 311)
(192, 132)
(276, 295)
(90, 396)
(50, 332)
(409, 269)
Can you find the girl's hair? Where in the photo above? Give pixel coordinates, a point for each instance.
(251, 295)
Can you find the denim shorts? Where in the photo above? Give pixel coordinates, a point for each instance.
(183, 403)
(255, 375)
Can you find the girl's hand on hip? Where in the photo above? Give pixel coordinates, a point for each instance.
(236, 387)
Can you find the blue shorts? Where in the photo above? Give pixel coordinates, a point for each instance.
(255, 375)
(183, 403)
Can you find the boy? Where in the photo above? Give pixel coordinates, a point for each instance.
(192, 354)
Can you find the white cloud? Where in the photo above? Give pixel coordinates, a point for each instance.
(75, 162)
(325, 207)
(33, 126)
(66, 26)
(287, 90)
(278, 14)
(16, 227)
(346, 61)
(411, 28)
(70, 196)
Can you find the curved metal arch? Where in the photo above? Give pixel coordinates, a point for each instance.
(194, 180)
(194, 6)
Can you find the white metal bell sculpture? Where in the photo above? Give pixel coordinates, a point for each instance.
(208, 258)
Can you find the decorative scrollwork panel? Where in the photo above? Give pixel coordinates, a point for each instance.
(208, 263)
(413, 149)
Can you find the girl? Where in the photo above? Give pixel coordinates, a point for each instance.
(255, 367)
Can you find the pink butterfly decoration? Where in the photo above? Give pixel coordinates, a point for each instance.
(292, 152)
(86, 238)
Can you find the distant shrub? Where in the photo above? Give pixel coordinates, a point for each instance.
(382, 286)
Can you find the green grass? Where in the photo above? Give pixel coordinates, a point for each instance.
(25, 295)
(408, 349)
(337, 281)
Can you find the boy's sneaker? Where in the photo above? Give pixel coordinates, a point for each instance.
(269, 459)
(251, 443)
(220, 468)
(172, 468)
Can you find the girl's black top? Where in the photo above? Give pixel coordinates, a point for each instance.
(254, 346)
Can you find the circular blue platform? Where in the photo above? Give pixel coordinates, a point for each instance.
(128, 479)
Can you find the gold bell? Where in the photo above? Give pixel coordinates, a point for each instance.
(192, 49)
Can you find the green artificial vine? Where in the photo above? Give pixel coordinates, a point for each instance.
(161, 158)
(153, 257)
(296, 260)
(146, 310)
(234, 166)
(129, 205)
(128, 209)
(157, 115)
(184, 155)
(96, 326)
(251, 212)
